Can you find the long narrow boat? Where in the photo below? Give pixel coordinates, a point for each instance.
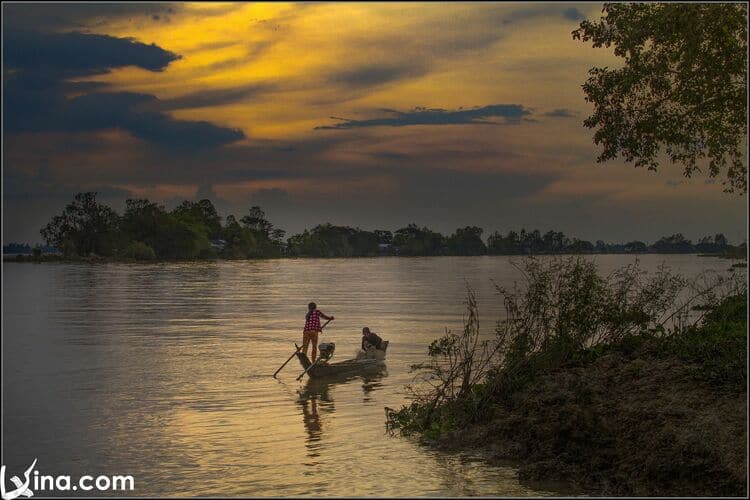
(365, 362)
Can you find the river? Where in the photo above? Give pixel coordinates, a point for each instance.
(163, 372)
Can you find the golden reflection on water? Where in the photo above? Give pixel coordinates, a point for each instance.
(164, 372)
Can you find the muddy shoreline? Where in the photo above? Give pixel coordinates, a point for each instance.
(618, 426)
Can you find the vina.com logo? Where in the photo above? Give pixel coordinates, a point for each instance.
(34, 481)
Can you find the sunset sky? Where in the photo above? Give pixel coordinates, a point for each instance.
(369, 114)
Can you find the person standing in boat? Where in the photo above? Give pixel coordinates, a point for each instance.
(312, 329)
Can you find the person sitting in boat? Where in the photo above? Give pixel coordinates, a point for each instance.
(373, 347)
(312, 329)
(370, 339)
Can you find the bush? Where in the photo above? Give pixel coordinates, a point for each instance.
(718, 345)
(457, 365)
(139, 251)
(567, 314)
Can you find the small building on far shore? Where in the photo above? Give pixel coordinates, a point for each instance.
(218, 245)
(50, 250)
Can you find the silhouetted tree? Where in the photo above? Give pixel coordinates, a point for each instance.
(413, 240)
(553, 241)
(635, 247)
(467, 241)
(712, 244)
(385, 237)
(240, 241)
(307, 244)
(673, 244)
(177, 235)
(269, 240)
(256, 220)
(202, 212)
(682, 87)
(364, 243)
(85, 227)
(580, 246)
(146, 230)
(327, 240)
(497, 244)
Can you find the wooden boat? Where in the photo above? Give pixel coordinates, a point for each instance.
(372, 360)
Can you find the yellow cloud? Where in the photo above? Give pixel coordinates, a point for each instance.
(451, 55)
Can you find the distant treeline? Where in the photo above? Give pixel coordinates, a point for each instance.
(194, 230)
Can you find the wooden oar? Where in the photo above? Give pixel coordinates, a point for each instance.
(324, 324)
(288, 360)
(295, 352)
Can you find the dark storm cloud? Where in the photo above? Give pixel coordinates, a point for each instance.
(510, 113)
(164, 130)
(215, 97)
(101, 110)
(68, 16)
(377, 74)
(561, 113)
(35, 88)
(126, 110)
(82, 87)
(74, 54)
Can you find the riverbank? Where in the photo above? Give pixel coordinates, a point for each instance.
(93, 259)
(622, 425)
(647, 412)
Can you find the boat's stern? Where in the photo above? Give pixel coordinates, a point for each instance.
(303, 360)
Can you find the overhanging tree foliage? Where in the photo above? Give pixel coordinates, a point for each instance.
(682, 88)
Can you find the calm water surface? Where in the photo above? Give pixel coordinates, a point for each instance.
(163, 372)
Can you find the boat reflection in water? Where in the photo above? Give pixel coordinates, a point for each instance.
(311, 418)
(317, 404)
